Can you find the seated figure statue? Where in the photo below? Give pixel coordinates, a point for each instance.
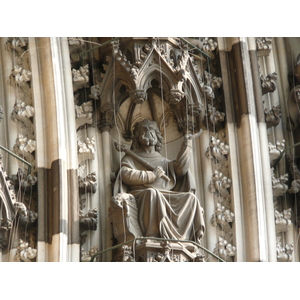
(163, 189)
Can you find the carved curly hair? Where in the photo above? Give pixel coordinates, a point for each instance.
(136, 133)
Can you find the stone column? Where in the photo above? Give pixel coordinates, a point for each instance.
(265, 159)
(209, 205)
(106, 152)
(237, 66)
(9, 98)
(56, 155)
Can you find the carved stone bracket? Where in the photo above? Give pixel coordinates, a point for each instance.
(24, 148)
(16, 43)
(138, 96)
(268, 83)
(95, 92)
(195, 109)
(212, 117)
(25, 253)
(20, 76)
(273, 116)
(86, 149)
(217, 150)
(284, 254)
(225, 250)
(222, 216)
(275, 150)
(88, 221)
(22, 180)
(279, 186)
(175, 96)
(84, 113)
(87, 184)
(209, 44)
(24, 113)
(283, 220)
(220, 184)
(263, 46)
(86, 256)
(80, 78)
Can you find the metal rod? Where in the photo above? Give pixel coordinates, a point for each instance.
(282, 153)
(160, 239)
(19, 158)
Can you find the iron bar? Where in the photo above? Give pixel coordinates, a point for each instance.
(19, 158)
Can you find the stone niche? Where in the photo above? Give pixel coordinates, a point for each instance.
(155, 79)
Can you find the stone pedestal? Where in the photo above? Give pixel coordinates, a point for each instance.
(159, 251)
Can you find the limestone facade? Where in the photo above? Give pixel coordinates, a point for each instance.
(66, 102)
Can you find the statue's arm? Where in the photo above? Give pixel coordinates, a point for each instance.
(182, 163)
(136, 177)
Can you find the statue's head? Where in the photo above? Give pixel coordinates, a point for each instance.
(147, 132)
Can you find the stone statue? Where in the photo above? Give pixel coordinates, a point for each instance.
(163, 189)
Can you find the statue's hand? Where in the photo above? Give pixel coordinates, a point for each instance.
(158, 172)
(190, 136)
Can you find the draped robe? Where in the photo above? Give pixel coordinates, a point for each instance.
(166, 209)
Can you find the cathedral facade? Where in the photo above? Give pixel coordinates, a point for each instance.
(150, 149)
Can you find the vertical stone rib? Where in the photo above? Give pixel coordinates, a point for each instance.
(262, 128)
(248, 147)
(56, 161)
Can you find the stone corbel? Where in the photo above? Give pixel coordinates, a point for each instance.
(80, 78)
(275, 150)
(24, 113)
(273, 116)
(283, 220)
(268, 83)
(95, 92)
(220, 184)
(24, 147)
(138, 96)
(175, 96)
(195, 109)
(212, 117)
(263, 46)
(86, 149)
(17, 43)
(284, 254)
(23, 181)
(223, 217)
(217, 150)
(25, 253)
(87, 184)
(88, 221)
(225, 250)
(20, 76)
(209, 45)
(84, 114)
(86, 256)
(76, 44)
(279, 186)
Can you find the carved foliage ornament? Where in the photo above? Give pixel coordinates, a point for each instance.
(268, 83)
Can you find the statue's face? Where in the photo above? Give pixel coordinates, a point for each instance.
(147, 136)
